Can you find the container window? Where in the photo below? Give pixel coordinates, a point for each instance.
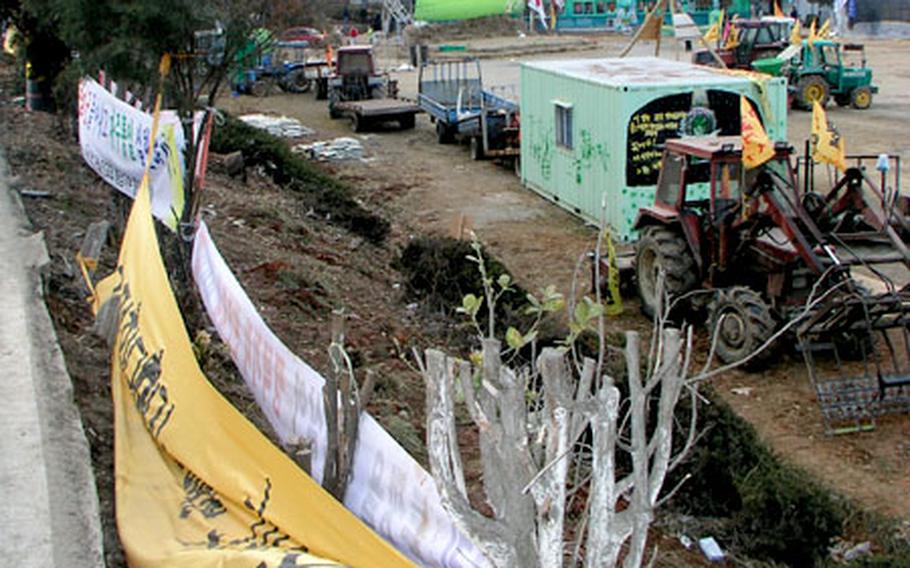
(589, 7)
(577, 8)
(601, 7)
(564, 125)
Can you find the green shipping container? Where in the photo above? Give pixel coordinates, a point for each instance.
(450, 10)
(592, 129)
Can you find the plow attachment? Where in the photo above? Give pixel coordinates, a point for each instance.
(864, 370)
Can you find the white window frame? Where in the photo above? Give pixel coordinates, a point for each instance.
(565, 128)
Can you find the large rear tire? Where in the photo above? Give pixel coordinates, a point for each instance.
(813, 88)
(743, 322)
(661, 248)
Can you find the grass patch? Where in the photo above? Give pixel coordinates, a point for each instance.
(327, 196)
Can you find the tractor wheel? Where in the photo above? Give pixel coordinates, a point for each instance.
(661, 248)
(813, 88)
(476, 148)
(261, 88)
(443, 133)
(297, 82)
(856, 345)
(861, 98)
(743, 323)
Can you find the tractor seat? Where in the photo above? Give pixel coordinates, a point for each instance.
(774, 240)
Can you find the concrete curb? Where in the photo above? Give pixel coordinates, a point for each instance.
(51, 513)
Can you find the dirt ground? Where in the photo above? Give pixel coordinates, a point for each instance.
(541, 244)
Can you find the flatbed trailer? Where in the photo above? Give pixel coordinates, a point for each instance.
(453, 95)
(367, 113)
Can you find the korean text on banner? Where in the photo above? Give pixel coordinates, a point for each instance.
(196, 483)
(114, 137)
(389, 490)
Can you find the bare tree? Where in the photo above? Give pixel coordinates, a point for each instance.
(540, 453)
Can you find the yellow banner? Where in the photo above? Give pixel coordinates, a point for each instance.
(757, 147)
(828, 145)
(196, 483)
(796, 37)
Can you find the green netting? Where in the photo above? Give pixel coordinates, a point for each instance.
(442, 10)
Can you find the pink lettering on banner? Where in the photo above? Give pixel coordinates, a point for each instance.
(389, 490)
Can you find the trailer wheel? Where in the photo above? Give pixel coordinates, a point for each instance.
(743, 322)
(406, 122)
(662, 249)
(476, 148)
(322, 89)
(357, 122)
(812, 88)
(444, 134)
(861, 98)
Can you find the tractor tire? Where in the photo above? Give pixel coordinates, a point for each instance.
(856, 345)
(812, 88)
(261, 88)
(861, 98)
(297, 82)
(743, 323)
(476, 148)
(444, 134)
(661, 248)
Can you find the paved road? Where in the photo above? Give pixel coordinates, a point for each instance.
(48, 502)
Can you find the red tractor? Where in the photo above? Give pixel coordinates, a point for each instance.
(760, 253)
(758, 39)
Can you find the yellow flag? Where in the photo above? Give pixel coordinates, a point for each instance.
(825, 30)
(828, 145)
(732, 38)
(795, 35)
(812, 35)
(757, 147)
(778, 13)
(713, 33)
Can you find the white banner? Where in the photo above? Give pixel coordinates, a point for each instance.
(114, 137)
(389, 490)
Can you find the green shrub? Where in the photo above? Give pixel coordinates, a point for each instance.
(327, 196)
(773, 511)
(437, 271)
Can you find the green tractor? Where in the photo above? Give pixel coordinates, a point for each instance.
(825, 69)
